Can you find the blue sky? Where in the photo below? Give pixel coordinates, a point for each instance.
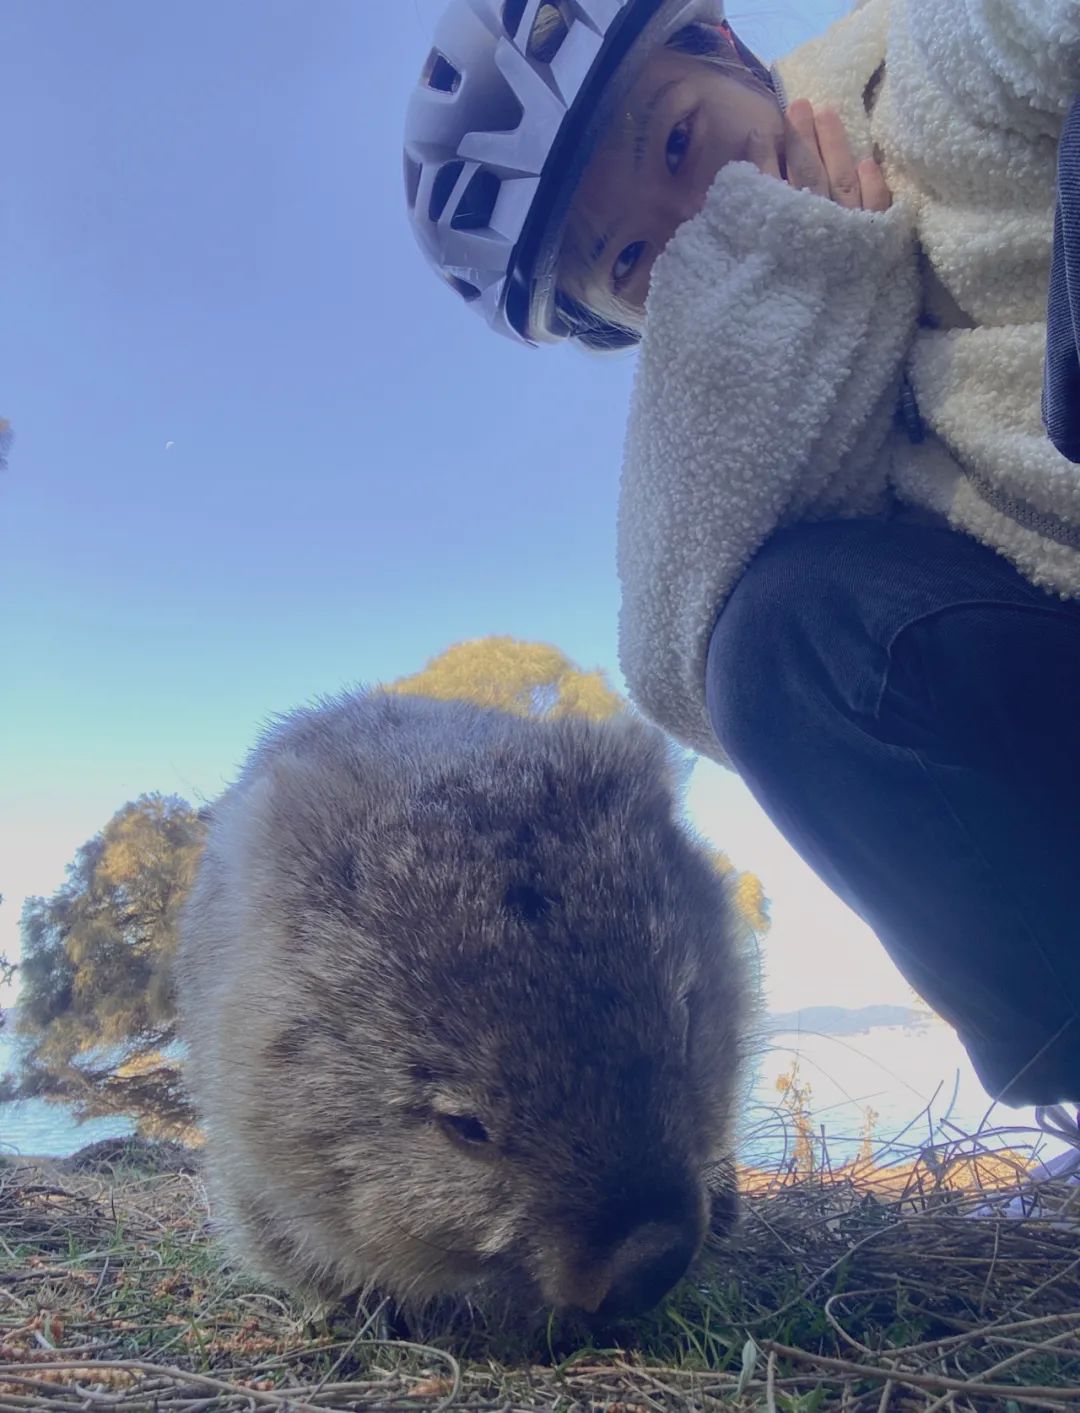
(206, 247)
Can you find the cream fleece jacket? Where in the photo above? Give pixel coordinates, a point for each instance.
(780, 329)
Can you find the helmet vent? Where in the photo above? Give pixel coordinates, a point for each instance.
(413, 173)
(468, 292)
(442, 188)
(549, 32)
(475, 209)
(513, 10)
(440, 74)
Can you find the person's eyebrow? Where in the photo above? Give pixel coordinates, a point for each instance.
(644, 118)
(597, 251)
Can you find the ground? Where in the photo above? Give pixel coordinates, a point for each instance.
(868, 1289)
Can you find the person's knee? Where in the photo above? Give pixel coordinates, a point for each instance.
(801, 641)
(990, 684)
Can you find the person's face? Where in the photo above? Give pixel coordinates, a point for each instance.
(685, 119)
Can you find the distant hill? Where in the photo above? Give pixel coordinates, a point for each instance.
(846, 1020)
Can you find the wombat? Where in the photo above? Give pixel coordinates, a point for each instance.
(465, 1008)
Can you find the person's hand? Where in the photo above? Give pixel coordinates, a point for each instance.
(817, 157)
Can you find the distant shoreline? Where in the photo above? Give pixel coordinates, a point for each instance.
(847, 1020)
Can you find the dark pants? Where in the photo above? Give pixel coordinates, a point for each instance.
(906, 708)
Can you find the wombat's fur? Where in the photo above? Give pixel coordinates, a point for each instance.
(464, 1008)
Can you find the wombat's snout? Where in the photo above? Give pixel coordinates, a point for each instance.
(633, 1274)
(655, 1258)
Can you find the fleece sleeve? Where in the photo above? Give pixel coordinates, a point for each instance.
(1061, 390)
(775, 331)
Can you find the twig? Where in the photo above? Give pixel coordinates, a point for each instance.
(931, 1382)
(181, 1376)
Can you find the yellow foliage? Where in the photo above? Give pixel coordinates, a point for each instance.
(140, 1064)
(747, 893)
(527, 679)
(751, 902)
(797, 1104)
(587, 694)
(64, 1038)
(137, 842)
(870, 1123)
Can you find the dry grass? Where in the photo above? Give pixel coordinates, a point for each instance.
(864, 1289)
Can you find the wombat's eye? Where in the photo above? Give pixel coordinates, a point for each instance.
(464, 1130)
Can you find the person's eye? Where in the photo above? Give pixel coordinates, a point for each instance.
(678, 144)
(626, 263)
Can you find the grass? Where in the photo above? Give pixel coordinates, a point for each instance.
(862, 1288)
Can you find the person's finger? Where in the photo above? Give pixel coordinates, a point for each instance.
(838, 159)
(805, 168)
(876, 195)
(761, 149)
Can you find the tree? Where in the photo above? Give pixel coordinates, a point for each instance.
(96, 1010)
(528, 679)
(7, 972)
(747, 894)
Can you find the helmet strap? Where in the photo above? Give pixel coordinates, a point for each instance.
(750, 59)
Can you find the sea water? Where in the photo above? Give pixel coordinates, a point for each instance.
(908, 1085)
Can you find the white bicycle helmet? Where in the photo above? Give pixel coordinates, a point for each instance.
(501, 127)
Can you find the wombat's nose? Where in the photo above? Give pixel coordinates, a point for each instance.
(640, 1271)
(650, 1262)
